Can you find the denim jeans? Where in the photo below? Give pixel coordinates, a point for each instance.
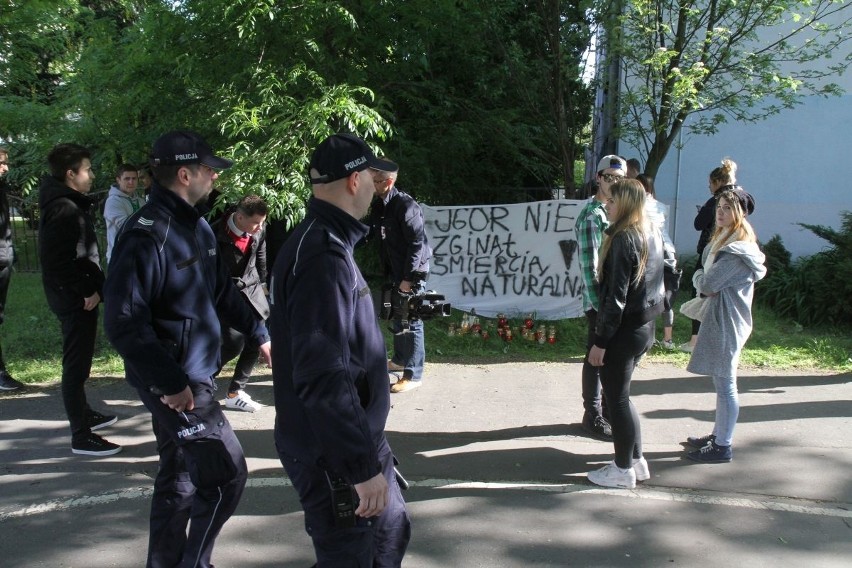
(594, 400)
(727, 409)
(409, 348)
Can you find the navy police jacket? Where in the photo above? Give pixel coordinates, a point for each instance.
(330, 376)
(166, 283)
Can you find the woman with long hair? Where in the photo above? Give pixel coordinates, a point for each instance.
(732, 263)
(658, 214)
(630, 273)
(721, 178)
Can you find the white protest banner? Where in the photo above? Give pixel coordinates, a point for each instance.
(513, 259)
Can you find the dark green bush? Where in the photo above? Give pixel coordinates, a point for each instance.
(814, 290)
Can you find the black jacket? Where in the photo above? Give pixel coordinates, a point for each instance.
(705, 220)
(404, 246)
(68, 247)
(624, 302)
(330, 373)
(248, 271)
(165, 289)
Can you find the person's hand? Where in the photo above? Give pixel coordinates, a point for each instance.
(405, 286)
(266, 353)
(91, 302)
(373, 494)
(180, 401)
(596, 356)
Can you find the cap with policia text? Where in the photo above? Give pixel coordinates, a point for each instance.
(340, 155)
(184, 147)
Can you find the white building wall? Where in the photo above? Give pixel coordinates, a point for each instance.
(796, 164)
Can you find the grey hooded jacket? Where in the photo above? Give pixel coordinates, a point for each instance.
(727, 323)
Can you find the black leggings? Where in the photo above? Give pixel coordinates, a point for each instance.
(623, 353)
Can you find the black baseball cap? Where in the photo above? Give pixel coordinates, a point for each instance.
(184, 147)
(340, 155)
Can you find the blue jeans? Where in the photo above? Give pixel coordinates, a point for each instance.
(409, 348)
(727, 409)
(594, 401)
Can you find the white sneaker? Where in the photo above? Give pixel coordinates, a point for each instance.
(640, 468)
(242, 402)
(686, 347)
(610, 476)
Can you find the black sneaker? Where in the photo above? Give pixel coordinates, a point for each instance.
(7, 383)
(95, 420)
(597, 426)
(700, 442)
(712, 453)
(94, 445)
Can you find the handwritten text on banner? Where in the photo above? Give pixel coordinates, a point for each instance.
(515, 259)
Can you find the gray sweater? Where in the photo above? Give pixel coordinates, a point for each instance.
(727, 322)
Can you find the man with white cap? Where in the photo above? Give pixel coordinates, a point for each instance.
(589, 230)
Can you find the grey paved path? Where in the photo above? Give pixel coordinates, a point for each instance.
(498, 463)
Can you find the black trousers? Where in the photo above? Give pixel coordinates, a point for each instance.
(235, 343)
(201, 477)
(79, 331)
(594, 400)
(5, 278)
(378, 542)
(623, 353)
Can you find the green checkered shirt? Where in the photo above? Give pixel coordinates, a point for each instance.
(591, 223)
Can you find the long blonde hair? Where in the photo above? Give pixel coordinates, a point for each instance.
(630, 196)
(740, 229)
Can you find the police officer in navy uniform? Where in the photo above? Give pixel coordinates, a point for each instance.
(165, 287)
(330, 377)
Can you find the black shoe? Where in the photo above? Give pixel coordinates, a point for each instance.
(597, 426)
(7, 383)
(95, 420)
(700, 442)
(712, 453)
(94, 445)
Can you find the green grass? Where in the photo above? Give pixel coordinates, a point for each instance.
(775, 344)
(31, 340)
(32, 343)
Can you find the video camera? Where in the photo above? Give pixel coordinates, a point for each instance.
(419, 304)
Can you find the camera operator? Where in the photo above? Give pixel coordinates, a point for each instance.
(404, 251)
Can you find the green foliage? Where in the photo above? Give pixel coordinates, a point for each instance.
(721, 61)
(474, 100)
(778, 258)
(814, 290)
(485, 97)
